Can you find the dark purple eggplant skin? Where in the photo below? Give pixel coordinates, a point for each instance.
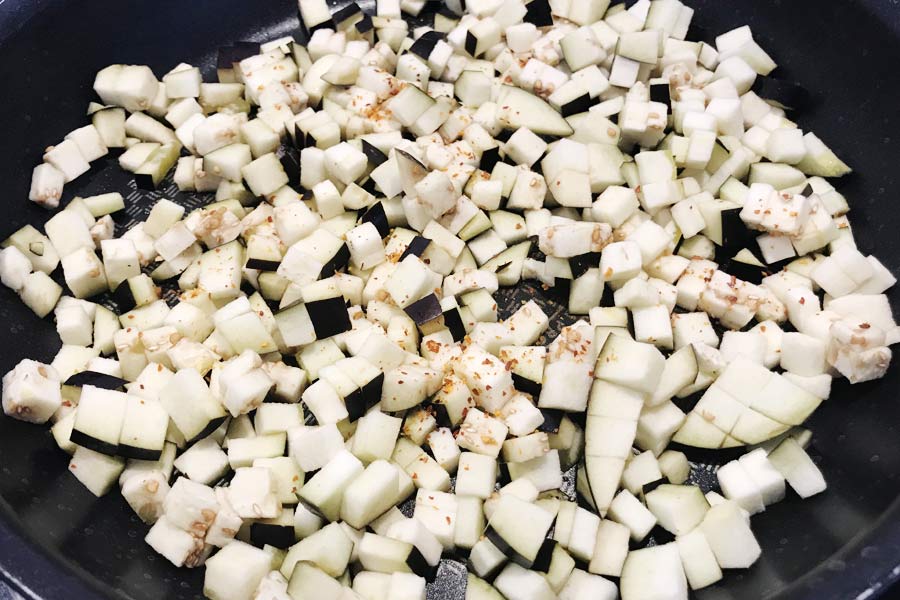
(453, 321)
(424, 310)
(262, 265)
(377, 217)
(329, 317)
(538, 13)
(99, 380)
(373, 154)
(417, 247)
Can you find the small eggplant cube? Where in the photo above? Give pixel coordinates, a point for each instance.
(409, 281)
(425, 311)
(365, 245)
(345, 163)
(121, 261)
(135, 87)
(68, 231)
(437, 192)
(84, 273)
(377, 216)
(620, 261)
(417, 246)
(66, 157)
(74, 326)
(476, 475)
(14, 268)
(265, 175)
(329, 317)
(99, 420)
(324, 403)
(31, 392)
(46, 185)
(89, 142)
(525, 147)
(482, 433)
(312, 447)
(252, 493)
(40, 293)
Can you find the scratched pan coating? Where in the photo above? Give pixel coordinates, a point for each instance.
(56, 540)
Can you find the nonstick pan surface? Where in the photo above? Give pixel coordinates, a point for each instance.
(58, 541)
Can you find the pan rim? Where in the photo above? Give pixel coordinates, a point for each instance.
(38, 572)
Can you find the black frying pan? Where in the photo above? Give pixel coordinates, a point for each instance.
(58, 541)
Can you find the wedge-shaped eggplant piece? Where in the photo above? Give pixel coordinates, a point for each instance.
(153, 170)
(377, 216)
(309, 581)
(524, 384)
(519, 529)
(375, 156)
(335, 262)
(385, 555)
(417, 246)
(509, 263)
(411, 170)
(194, 410)
(519, 108)
(747, 267)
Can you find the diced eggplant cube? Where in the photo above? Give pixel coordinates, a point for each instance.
(99, 420)
(329, 317)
